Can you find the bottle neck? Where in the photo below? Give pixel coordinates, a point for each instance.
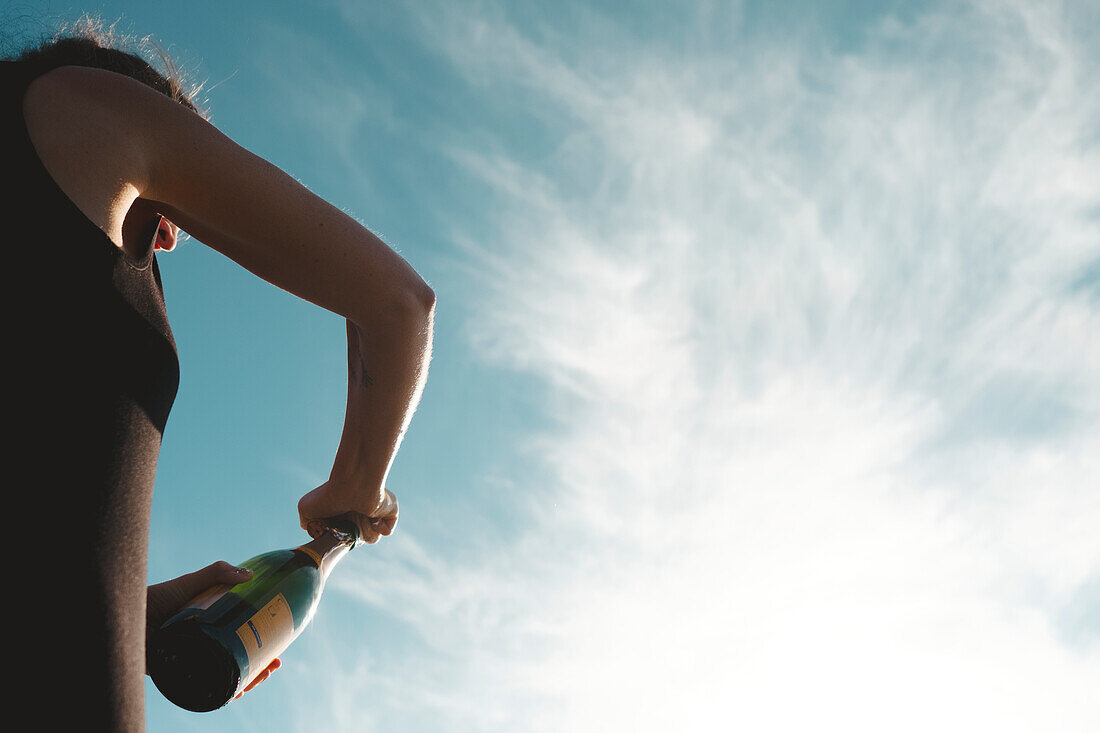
(328, 548)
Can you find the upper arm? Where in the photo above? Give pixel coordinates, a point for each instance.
(251, 211)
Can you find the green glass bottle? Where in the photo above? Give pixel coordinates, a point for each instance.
(209, 651)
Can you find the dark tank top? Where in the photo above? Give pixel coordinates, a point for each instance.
(92, 372)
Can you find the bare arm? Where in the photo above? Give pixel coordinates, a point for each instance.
(367, 445)
(257, 215)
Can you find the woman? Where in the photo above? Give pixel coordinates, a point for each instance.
(107, 157)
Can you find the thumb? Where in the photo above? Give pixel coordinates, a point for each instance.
(216, 573)
(165, 598)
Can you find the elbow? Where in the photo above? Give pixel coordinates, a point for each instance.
(424, 296)
(412, 308)
(419, 299)
(404, 303)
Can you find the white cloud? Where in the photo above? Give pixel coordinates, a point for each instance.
(826, 401)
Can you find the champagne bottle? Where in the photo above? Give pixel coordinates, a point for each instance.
(209, 651)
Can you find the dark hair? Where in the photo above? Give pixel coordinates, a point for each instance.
(88, 43)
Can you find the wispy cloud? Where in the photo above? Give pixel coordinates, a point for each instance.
(822, 360)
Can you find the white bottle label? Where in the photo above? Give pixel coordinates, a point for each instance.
(266, 634)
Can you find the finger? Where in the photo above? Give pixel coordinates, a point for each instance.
(383, 525)
(367, 532)
(222, 571)
(268, 670)
(164, 599)
(259, 678)
(387, 505)
(216, 573)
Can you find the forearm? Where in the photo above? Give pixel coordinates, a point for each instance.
(387, 369)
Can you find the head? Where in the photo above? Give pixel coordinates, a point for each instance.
(88, 43)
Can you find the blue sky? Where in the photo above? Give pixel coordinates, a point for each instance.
(765, 389)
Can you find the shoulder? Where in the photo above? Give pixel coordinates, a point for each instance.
(88, 106)
(107, 90)
(123, 112)
(95, 93)
(92, 130)
(95, 110)
(122, 123)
